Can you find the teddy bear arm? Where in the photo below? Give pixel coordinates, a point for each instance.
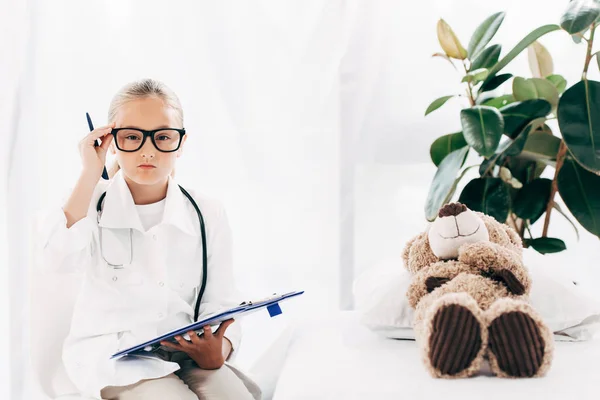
(433, 276)
(509, 280)
(434, 282)
(498, 263)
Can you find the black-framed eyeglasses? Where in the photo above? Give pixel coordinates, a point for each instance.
(165, 140)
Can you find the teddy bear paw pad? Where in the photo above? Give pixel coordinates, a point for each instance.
(517, 344)
(455, 340)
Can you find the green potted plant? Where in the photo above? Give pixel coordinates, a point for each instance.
(511, 135)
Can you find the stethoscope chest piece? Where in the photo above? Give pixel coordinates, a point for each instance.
(116, 246)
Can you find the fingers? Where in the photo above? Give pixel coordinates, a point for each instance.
(223, 327)
(171, 345)
(194, 337)
(95, 134)
(106, 141)
(183, 343)
(207, 332)
(101, 131)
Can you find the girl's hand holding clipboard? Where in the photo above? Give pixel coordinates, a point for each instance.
(207, 350)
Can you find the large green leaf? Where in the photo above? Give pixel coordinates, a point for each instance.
(515, 146)
(445, 145)
(437, 103)
(579, 15)
(517, 115)
(499, 102)
(522, 169)
(537, 154)
(484, 33)
(476, 75)
(522, 45)
(482, 128)
(558, 81)
(487, 195)
(487, 58)
(535, 88)
(531, 201)
(542, 147)
(494, 82)
(578, 37)
(546, 245)
(580, 190)
(510, 147)
(487, 165)
(579, 122)
(441, 188)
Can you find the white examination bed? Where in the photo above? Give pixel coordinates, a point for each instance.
(335, 357)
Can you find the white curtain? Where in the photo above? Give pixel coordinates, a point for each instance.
(16, 50)
(305, 118)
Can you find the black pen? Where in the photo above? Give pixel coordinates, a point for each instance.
(89, 120)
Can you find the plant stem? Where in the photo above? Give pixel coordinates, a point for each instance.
(469, 89)
(522, 228)
(581, 36)
(588, 55)
(560, 158)
(528, 230)
(513, 220)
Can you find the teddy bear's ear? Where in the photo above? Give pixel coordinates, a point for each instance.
(417, 253)
(500, 233)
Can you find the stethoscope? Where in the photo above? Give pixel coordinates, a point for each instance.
(202, 231)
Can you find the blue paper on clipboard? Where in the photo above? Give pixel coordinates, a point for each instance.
(153, 346)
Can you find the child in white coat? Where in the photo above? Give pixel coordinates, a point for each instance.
(142, 259)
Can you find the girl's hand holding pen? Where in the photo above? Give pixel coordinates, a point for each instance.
(92, 155)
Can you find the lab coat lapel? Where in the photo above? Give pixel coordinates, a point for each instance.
(179, 211)
(118, 210)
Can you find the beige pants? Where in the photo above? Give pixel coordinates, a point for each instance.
(191, 383)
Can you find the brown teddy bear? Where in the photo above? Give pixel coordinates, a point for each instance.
(469, 289)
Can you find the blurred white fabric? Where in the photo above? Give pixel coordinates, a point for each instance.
(52, 299)
(345, 360)
(305, 118)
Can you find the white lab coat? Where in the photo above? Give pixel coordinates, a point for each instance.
(156, 293)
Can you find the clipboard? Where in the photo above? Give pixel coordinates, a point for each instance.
(153, 346)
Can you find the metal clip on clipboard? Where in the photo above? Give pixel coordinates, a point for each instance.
(273, 309)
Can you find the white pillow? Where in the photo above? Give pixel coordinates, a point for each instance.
(380, 296)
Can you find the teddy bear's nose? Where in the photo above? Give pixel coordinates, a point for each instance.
(452, 209)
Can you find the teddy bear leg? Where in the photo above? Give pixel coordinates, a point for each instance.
(520, 344)
(453, 336)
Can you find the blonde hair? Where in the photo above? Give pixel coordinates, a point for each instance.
(139, 90)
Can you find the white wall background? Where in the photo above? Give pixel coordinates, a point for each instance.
(305, 118)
